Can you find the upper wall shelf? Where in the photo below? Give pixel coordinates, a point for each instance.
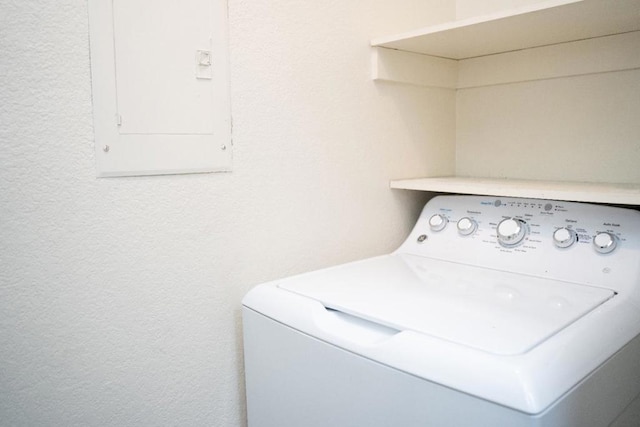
(625, 194)
(541, 24)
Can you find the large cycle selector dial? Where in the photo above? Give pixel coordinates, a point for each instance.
(564, 237)
(437, 222)
(511, 231)
(466, 226)
(604, 242)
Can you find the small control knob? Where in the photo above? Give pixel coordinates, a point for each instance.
(604, 242)
(467, 226)
(511, 231)
(564, 237)
(437, 222)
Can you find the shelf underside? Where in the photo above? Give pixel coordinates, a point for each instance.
(548, 23)
(615, 193)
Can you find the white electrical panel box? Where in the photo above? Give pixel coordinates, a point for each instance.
(160, 80)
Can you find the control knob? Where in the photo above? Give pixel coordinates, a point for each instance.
(437, 222)
(467, 226)
(604, 242)
(564, 237)
(511, 231)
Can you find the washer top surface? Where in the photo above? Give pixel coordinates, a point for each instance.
(494, 311)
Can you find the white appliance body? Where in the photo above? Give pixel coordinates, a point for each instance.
(493, 312)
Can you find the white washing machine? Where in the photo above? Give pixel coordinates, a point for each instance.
(494, 312)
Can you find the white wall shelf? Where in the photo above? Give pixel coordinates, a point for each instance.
(539, 41)
(605, 54)
(625, 194)
(545, 40)
(540, 24)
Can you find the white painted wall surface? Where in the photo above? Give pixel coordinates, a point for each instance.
(469, 8)
(582, 129)
(120, 298)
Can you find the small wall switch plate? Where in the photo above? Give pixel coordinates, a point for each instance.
(203, 64)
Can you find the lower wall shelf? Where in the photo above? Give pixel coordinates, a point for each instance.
(616, 193)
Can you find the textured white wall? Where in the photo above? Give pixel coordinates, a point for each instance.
(120, 298)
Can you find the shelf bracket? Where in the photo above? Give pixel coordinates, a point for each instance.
(413, 68)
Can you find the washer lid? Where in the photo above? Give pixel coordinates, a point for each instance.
(494, 311)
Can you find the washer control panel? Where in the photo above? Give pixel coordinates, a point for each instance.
(576, 242)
